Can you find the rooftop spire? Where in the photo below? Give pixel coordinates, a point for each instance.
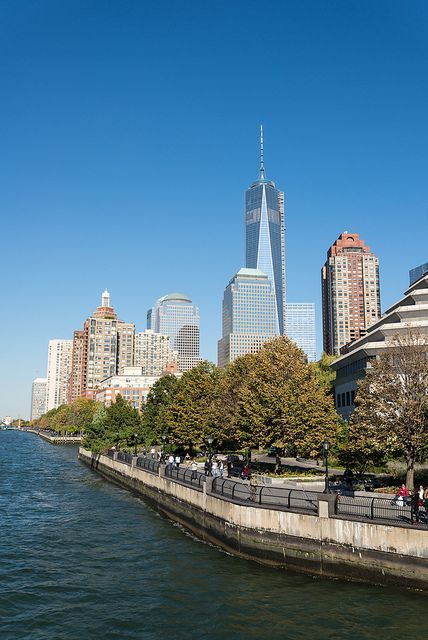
(105, 299)
(262, 156)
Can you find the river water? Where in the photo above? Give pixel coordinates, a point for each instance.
(81, 559)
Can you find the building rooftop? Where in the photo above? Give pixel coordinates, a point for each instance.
(181, 297)
(251, 273)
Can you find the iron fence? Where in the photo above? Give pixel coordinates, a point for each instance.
(377, 508)
(364, 508)
(185, 474)
(268, 495)
(148, 464)
(122, 456)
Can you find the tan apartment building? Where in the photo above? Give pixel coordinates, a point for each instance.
(350, 292)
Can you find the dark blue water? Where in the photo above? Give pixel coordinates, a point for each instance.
(83, 559)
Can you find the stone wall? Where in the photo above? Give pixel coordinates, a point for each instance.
(319, 544)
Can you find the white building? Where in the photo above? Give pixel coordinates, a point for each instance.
(300, 327)
(132, 385)
(59, 369)
(408, 314)
(176, 316)
(153, 352)
(38, 398)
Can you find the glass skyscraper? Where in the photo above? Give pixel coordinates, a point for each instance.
(265, 236)
(300, 327)
(176, 316)
(249, 315)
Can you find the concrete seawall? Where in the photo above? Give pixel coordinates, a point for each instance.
(56, 439)
(318, 544)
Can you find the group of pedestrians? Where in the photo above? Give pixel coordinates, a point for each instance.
(417, 499)
(214, 468)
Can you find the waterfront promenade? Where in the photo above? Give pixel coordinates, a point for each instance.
(54, 438)
(307, 531)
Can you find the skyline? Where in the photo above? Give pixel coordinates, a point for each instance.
(129, 138)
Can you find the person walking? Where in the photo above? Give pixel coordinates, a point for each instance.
(171, 461)
(194, 467)
(177, 461)
(152, 452)
(207, 468)
(144, 452)
(415, 504)
(214, 468)
(220, 468)
(229, 465)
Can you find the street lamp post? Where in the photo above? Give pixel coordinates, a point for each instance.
(135, 443)
(210, 440)
(325, 447)
(163, 445)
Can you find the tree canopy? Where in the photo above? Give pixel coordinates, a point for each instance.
(391, 415)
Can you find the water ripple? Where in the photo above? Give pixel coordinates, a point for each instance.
(82, 559)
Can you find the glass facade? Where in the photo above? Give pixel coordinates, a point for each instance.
(265, 239)
(249, 315)
(300, 327)
(417, 272)
(176, 316)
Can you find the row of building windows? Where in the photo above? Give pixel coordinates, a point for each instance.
(345, 399)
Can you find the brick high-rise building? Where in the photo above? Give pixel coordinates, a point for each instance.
(125, 345)
(77, 375)
(350, 292)
(102, 349)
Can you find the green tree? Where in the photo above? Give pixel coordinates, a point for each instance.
(97, 437)
(324, 372)
(61, 419)
(281, 401)
(391, 412)
(158, 397)
(82, 412)
(115, 425)
(358, 451)
(190, 415)
(122, 421)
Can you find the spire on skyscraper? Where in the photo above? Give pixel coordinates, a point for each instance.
(262, 157)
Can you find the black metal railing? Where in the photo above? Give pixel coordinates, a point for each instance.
(185, 474)
(267, 495)
(379, 508)
(364, 508)
(148, 464)
(123, 456)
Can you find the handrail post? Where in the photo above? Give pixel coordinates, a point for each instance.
(260, 494)
(372, 509)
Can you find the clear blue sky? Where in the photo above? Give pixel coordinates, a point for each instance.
(129, 133)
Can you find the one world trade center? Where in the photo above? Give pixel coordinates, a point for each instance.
(265, 235)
